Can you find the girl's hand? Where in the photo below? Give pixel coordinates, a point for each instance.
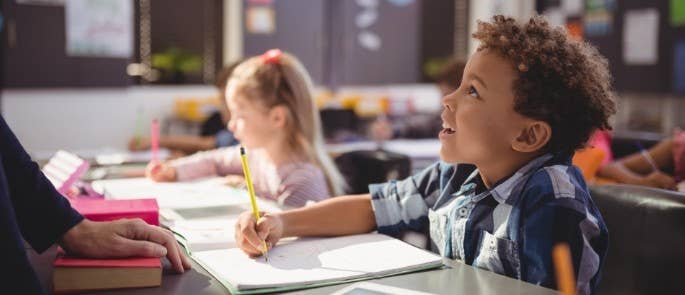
(160, 172)
(139, 144)
(250, 234)
(236, 181)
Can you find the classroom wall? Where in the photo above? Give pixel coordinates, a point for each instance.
(82, 119)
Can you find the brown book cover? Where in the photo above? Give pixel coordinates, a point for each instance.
(76, 274)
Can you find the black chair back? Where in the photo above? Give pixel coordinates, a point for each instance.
(361, 168)
(646, 239)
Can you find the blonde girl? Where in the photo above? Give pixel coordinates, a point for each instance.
(273, 115)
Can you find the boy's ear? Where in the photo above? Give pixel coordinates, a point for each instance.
(533, 137)
(278, 116)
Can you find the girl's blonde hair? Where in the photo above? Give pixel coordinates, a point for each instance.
(278, 78)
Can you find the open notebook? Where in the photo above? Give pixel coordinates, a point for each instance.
(314, 262)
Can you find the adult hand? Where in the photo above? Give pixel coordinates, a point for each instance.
(124, 238)
(250, 234)
(160, 172)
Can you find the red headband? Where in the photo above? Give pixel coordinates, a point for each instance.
(272, 56)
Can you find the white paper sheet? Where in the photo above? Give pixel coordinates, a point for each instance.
(317, 260)
(203, 235)
(641, 37)
(211, 192)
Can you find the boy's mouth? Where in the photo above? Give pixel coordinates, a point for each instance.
(447, 129)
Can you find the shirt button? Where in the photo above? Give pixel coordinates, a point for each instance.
(462, 212)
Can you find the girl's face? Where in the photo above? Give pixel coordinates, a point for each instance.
(479, 121)
(250, 121)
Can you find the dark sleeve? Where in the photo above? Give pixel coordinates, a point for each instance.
(42, 213)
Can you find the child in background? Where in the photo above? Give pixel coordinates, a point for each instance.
(213, 132)
(274, 117)
(506, 192)
(645, 167)
(426, 125)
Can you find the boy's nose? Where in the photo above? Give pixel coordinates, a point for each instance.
(449, 102)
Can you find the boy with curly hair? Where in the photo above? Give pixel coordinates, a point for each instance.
(506, 191)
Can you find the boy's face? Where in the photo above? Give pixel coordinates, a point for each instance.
(479, 121)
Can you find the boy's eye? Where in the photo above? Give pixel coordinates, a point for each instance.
(473, 92)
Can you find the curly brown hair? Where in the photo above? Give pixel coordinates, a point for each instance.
(561, 81)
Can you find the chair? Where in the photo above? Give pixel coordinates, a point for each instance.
(646, 239)
(364, 167)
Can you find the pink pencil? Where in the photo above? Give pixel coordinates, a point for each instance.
(155, 140)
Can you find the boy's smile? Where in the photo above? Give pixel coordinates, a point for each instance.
(479, 123)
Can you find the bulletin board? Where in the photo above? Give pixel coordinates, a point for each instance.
(36, 49)
(644, 41)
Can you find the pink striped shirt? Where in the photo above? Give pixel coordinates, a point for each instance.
(292, 184)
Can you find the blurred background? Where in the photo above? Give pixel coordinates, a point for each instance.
(82, 74)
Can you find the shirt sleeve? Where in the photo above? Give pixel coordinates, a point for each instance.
(221, 161)
(561, 220)
(42, 213)
(225, 138)
(401, 205)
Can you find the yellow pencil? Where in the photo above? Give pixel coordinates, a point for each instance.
(253, 200)
(564, 269)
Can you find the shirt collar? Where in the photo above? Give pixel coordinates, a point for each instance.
(503, 189)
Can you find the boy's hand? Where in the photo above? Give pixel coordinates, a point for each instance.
(160, 172)
(659, 179)
(124, 238)
(139, 144)
(250, 234)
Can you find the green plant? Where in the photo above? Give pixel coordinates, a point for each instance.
(175, 59)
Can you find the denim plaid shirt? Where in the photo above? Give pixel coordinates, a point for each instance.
(509, 229)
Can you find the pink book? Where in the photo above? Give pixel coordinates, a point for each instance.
(145, 262)
(106, 210)
(76, 274)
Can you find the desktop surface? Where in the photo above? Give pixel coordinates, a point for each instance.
(458, 278)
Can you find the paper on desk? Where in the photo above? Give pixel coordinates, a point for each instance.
(211, 192)
(303, 262)
(203, 235)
